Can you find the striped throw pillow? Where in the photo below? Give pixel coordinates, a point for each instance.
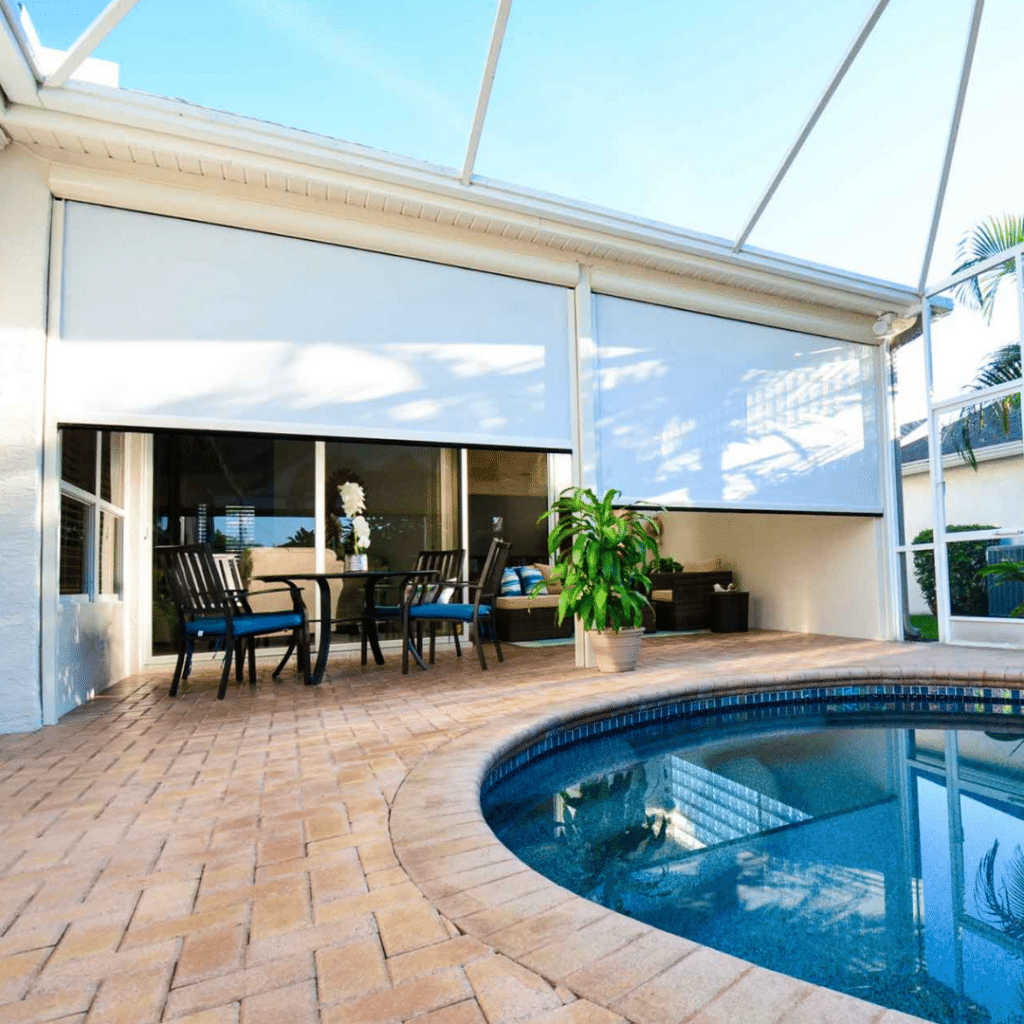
(510, 583)
(530, 577)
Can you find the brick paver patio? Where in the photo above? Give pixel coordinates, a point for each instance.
(317, 854)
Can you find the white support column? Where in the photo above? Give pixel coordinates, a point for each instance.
(25, 208)
(50, 532)
(942, 607)
(319, 518)
(464, 510)
(103, 24)
(582, 351)
(812, 120)
(138, 553)
(486, 84)
(889, 569)
(954, 131)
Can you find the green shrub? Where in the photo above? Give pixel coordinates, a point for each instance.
(968, 594)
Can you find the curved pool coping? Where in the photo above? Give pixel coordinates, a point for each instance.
(448, 850)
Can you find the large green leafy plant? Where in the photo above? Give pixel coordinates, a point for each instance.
(601, 559)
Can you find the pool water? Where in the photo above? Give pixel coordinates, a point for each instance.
(882, 859)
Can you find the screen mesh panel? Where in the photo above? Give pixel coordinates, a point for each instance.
(695, 411)
(169, 322)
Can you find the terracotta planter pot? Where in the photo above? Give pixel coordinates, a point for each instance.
(616, 652)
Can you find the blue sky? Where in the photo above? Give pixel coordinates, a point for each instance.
(679, 112)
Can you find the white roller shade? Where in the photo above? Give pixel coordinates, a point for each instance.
(696, 411)
(173, 323)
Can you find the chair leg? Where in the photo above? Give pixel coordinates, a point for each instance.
(433, 633)
(455, 637)
(190, 647)
(479, 641)
(239, 660)
(362, 645)
(252, 661)
(493, 627)
(406, 641)
(287, 654)
(225, 674)
(301, 636)
(178, 669)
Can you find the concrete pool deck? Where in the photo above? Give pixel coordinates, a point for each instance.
(318, 855)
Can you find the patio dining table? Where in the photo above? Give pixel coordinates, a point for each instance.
(370, 615)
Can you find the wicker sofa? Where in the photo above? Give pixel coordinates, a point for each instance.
(531, 618)
(526, 618)
(682, 599)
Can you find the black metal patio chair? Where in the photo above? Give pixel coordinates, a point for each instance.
(421, 608)
(208, 608)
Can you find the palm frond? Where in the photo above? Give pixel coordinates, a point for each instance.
(1002, 904)
(987, 239)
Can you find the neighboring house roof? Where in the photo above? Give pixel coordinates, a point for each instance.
(985, 430)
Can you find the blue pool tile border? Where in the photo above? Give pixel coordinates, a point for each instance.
(765, 705)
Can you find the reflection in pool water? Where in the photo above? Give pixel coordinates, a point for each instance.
(883, 862)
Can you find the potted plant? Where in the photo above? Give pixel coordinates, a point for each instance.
(601, 561)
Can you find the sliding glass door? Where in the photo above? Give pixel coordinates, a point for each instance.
(256, 497)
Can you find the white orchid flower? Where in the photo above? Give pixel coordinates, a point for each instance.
(353, 498)
(361, 532)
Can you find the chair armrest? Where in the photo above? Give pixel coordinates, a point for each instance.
(294, 589)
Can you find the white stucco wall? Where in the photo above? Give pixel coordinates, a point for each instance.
(24, 245)
(90, 650)
(811, 574)
(992, 494)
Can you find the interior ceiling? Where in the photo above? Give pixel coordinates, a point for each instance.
(860, 138)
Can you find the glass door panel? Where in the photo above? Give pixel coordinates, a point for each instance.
(508, 493)
(252, 496)
(411, 498)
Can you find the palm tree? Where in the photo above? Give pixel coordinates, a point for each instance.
(987, 239)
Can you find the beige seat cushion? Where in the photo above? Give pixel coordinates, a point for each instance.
(543, 601)
(661, 595)
(705, 565)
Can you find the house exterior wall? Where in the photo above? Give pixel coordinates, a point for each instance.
(991, 495)
(762, 551)
(24, 249)
(809, 574)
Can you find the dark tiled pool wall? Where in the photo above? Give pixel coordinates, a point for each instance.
(808, 702)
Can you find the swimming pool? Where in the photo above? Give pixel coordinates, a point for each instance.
(864, 838)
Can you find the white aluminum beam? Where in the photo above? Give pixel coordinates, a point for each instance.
(486, 84)
(17, 75)
(812, 120)
(102, 26)
(954, 131)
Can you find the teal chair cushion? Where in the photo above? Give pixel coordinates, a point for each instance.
(245, 625)
(454, 612)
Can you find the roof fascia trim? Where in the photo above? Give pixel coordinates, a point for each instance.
(100, 113)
